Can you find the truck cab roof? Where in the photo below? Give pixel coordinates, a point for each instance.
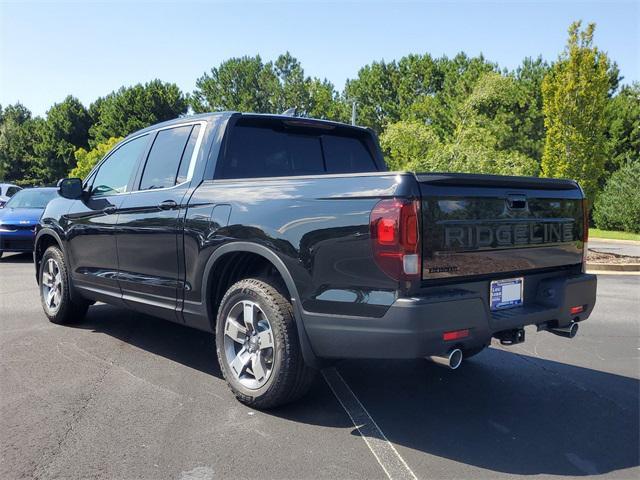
(213, 116)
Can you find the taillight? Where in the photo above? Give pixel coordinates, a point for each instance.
(585, 233)
(394, 234)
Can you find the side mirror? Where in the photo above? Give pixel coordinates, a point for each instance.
(70, 188)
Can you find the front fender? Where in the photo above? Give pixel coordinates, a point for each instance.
(43, 232)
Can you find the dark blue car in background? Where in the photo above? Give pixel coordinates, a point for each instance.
(19, 217)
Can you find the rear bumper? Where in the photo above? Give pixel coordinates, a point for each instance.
(413, 327)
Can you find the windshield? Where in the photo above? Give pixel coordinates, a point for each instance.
(35, 198)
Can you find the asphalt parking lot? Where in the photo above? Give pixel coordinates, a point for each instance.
(619, 247)
(128, 396)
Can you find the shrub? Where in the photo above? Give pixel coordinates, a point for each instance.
(408, 142)
(618, 206)
(414, 146)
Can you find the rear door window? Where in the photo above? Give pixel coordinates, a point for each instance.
(183, 170)
(163, 162)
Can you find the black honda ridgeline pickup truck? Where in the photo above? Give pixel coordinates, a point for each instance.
(290, 240)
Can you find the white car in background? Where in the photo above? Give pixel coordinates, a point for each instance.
(7, 190)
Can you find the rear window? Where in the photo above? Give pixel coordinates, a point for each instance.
(346, 155)
(11, 191)
(255, 151)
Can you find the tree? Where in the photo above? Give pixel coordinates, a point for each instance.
(482, 139)
(623, 133)
(417, 87)
(324, 102)
(65, 129)
(575, 96)
(16, 143)
(476, 150)
(414, 146)
(247, 84)
(17, 112)
(410, 144)
(527, 124)
(311, 97)
(375, 91)
(85, 160)
(419, 77)
(292, 89)
(132, 108)
(244, 84)
(456, 79)
(618, 206)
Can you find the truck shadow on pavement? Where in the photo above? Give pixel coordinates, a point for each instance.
(190, 347)
(505, 412)
(501, 411)
(17, 258)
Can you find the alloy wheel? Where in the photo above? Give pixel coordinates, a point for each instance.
(249, 344)
(52, 285)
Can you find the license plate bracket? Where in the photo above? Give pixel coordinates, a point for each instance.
(506, 293)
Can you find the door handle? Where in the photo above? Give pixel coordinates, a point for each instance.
(167, 205)
(109, 210)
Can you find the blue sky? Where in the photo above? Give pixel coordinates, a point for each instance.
(51, 49)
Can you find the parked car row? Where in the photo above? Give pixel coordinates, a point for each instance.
(20, 216)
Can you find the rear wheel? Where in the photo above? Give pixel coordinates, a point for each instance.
(258, 347)
(55, 297)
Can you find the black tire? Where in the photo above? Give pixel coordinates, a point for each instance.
(66, 311)
(289, 377)
(1, 252)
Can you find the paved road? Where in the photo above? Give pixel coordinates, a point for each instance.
(128, 396)
(629, 248)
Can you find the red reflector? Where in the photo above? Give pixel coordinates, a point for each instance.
(575, 310)
(455, 335)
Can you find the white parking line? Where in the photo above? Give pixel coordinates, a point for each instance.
(388, 457)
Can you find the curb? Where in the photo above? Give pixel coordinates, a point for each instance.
(602, 273)
(614, 267)
(613, 240)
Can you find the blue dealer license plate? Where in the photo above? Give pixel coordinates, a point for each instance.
(506, 293)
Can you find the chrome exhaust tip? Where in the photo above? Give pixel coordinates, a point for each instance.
(569, 331)
(452, 360)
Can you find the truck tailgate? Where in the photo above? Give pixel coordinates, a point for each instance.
(474, 225)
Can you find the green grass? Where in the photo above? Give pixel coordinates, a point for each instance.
(596, 233)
